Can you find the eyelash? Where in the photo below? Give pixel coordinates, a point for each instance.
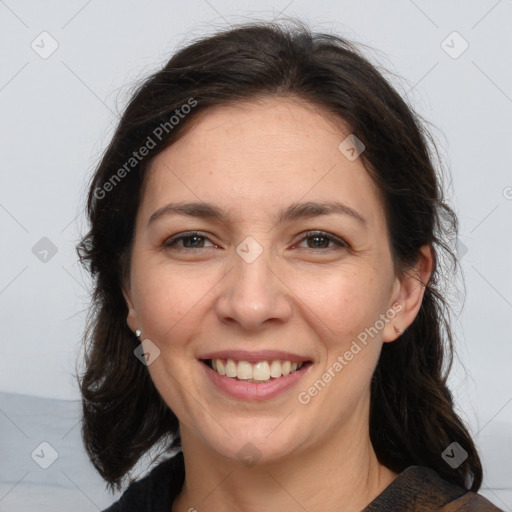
(171, 242)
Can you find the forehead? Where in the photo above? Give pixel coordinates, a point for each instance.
(262, 154)
(253, 125)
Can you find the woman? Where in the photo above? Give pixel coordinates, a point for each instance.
(266, 233)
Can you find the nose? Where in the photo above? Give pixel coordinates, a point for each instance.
(253, 294)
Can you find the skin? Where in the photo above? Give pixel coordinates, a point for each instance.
(252, 159)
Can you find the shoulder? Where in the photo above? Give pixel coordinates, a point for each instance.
(471, 502)
(155, 491)
(419, 488)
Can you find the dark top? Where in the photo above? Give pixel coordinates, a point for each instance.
(417, 488)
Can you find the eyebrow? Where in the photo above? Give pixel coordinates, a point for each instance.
(292, 212)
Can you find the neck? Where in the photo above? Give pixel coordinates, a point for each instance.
(343, 471)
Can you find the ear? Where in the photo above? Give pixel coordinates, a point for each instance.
(408, 291)
(132, 318)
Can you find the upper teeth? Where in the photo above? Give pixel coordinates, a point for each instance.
(261, 371)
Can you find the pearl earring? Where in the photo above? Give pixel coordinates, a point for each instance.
(138, 333)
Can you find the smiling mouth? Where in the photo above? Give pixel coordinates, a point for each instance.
(262, 371)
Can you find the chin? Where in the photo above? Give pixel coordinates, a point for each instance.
(256, 441)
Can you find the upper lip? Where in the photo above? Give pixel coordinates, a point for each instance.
(256, 356)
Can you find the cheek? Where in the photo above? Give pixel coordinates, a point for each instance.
(345, 301)
(164, 297)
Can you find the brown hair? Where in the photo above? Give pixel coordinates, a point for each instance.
(412, 418)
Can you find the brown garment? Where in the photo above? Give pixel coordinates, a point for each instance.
(416, 489)
(421, 489)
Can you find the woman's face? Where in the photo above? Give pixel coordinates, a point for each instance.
(254, 287)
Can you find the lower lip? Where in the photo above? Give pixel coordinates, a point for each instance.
(254, 390)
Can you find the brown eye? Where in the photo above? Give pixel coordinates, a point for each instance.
(191, 240)
(321, 240)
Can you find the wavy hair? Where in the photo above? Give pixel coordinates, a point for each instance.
(412, 417)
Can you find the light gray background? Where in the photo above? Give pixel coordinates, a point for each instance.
(57, 114)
